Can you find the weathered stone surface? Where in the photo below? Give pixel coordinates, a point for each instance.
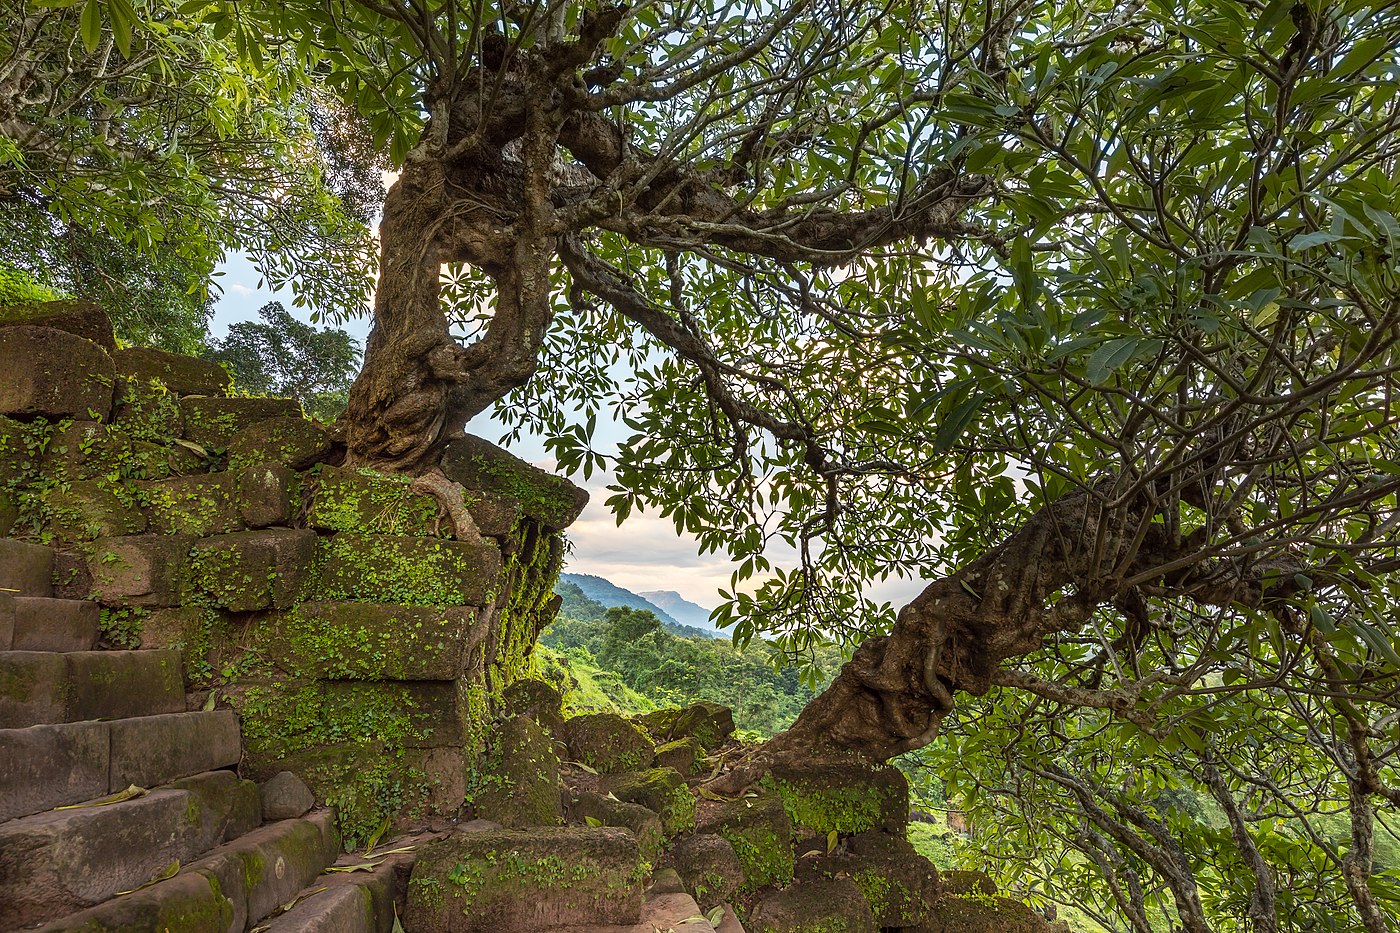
(199, 505)
(759, 830)
(710, 723)
(267, 568)
(56, 863)
(367, 641)
(519, 777)
(54, 374)
(152, 750)
(845, 798)
(514, 881)
(26, 569)
(421, 714)
(709, 867)
(682, 755)
(606, 811)
(48, 766)
(495, 516)
(71, 577)
(350, 902)
(285, 796)
(982, 914)
(963, 883)
(539, 701)
(291, 440)
(120, 684)
(268, 494)
(183, 375)
(191, 902)
(482, 466)
(80, 318)
(607, 742)
(147, 411)
(408, 570)
(660, 790)
(39, 623)
(85, 510)
(83, 449)
(9, 510)
(33, 688)
(362, 500)
(20, 444)
(214, 422)
(899, 889)
(444, 769)
(141, 570)
(835, 906)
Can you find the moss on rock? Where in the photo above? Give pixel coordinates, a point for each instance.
(660, 790)
(407, 570)
(845, 798)
(517, 782)
(607, 742)
(758, 828)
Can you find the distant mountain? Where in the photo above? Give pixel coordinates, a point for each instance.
(679, 608)
(607, 593)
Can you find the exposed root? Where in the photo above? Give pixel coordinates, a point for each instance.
(449, 496)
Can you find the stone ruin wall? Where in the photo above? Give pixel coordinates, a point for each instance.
(363, 647)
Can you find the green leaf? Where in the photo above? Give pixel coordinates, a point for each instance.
(1110, 355)
(90, 26)
(1316, 238)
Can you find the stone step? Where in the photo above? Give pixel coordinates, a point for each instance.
(47, 766)
(231, 888)
(352, 901)
(41, 623)
(38, 687)
(56, 863)
(25, 569)
(667, 907)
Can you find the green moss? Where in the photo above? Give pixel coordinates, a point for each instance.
(148, 411)
(406, 570)
(122, 627)
(842, 799)
(367, 501)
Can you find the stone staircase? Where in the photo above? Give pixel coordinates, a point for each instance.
(120, 808)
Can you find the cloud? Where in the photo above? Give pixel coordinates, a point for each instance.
(240, 289)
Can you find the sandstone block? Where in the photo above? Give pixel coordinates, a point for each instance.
(367, 641)
(519, 778)
(495, 515)
(33, 688)
(190, 902)
(982, 914)
(482, 467)
(152, 750)
(898, 888)
(349, 902)
(147, 410)
(285, 796)
(120, 684)
(214, 422)
(539, 701)
(142, 570)
(589, 807)
(837, 904)
(84, 510)
(709, 868)
(54, 374)
(183, 375)
(844, 798)
(199, 505)
(80, 318)
(26, 569)
(262, 569)
(408, 570)
(607, 742)
(710, 723)
(291, 440)
(42, 767)
(268, 494)
(660, 790)
(38, 623)
(759, 830)
(348, 499)
(513, 881)
(683, 755)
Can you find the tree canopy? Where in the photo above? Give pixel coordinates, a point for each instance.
(1086, 313)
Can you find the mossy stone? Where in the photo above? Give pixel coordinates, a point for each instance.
(834, 906)
(482, 466)
(54, 374)
(183, 375)
(661, 790)
(201, 505)
(291, 440)
(683, 755)
(899, 889)
(979, 913)
(409, 570)
(709, 867)
(517, 783)
(847, 798)
(538, 700)
(146, 410)
(365, 641)
(598, 810)
(710, 723)
(362, 500)
(246, 570)
(85, 510)
(607, 742)
(267, 494)
(80, 318)
(758, 828)
(214, 422)
(141, 570)
(19, 444)
(84, 449)
(964, 883)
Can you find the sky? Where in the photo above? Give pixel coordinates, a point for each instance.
(645, 553)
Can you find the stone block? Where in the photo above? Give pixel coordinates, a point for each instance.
(495, 515)
(33, 688)
(25, 569)
(120, 684)
(410, 714)
(9, 510)
(510, 881)
(53, 374)
(268, 494)
(214, 422)
(982, 914)
(963, 883)
(597, 809)
(408, 570)
(898, 888)
(607, 742)
(147, 411)
(367, 641)
(267, 867)
(759, 830)
(518, 781)
(79, 318)
(20, 445)
(191, 902)
(142, 570)
(84, 510)
(152, 750)
(709, 867)
(42, 767)
(199, 505)
(7, 621)
(482, 467)
(246, 570)
(291, 440)
(350, 902)
(84, 449)
(444, 780)
(683, 755)
(183, 375)
(71, 577)
(845, 798)
(539, 701)
(38, 623)
(838, 903)
(55, 863)
(660, 790)
(710, 723)
(362, 500)
(285, 796)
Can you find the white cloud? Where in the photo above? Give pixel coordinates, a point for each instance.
(239, 288)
